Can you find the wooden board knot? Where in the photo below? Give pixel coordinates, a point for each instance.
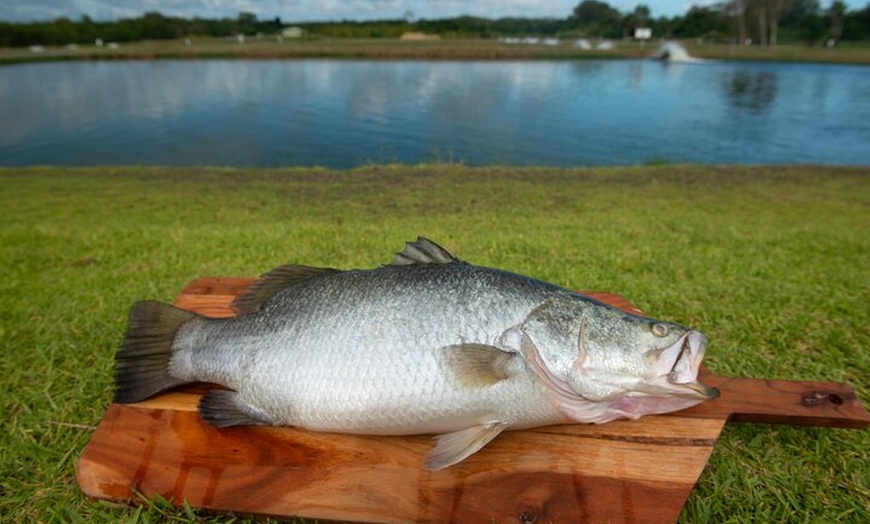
(819, 398)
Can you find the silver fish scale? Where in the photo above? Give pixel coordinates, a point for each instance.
(364, 350)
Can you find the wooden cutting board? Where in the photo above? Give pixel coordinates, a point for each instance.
(623, 471)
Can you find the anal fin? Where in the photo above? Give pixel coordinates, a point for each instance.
(452, 448)
(223, 408)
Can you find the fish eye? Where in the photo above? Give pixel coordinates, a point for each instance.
(659, 329)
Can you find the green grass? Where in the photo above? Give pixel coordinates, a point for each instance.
(445, 49)
(770, 262)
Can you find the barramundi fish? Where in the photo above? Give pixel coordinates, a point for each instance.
(425, 345)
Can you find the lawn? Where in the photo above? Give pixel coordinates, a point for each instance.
(771, 263)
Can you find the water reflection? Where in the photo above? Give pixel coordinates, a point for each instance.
(344, 113)
(753, 90)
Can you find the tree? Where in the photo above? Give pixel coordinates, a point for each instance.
(767, 15)
(736, 11)
(246, 23)
(837, 15)
(856, 26)
(640, 17)
(800, 11)
(776, 9)
(155, 26)
(700, 21)
(597, 18)
(759, 11)
(804, 21)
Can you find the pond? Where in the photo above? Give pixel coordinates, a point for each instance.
(339, 113)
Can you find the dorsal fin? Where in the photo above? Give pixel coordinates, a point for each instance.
(252, 298)
(423, 251)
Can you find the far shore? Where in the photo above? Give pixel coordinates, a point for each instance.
(269, 47)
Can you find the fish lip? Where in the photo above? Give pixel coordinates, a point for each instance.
(693, 346)
(685, 346)
(705, 392)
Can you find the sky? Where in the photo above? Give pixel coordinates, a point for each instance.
(308, 10)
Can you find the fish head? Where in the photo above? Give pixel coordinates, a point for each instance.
(604, 354)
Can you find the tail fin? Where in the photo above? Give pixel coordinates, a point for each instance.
(142, 363)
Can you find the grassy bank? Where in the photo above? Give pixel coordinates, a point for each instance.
(769, 262)
(446, 49)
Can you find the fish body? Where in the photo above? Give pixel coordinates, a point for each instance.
(426, 345)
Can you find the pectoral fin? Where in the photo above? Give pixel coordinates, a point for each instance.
(455, 447)
(478, 365)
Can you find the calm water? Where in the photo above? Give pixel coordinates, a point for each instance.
(345, 113)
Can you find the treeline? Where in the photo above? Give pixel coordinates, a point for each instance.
(150, 26)
(764, 22)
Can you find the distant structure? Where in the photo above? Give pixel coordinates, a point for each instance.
(292, 32)
(411, 35)
(642, 34)
(586, 45)
(674, 52)
(530, 40)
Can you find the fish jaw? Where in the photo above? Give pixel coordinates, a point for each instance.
(633, 407)
(676, 370)
(676, 387)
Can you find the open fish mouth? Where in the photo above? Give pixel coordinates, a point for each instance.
(687, 354)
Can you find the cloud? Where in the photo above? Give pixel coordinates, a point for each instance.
(25, 10)
(331, 9)
(305, 10)
(21, 10)
(35, 10)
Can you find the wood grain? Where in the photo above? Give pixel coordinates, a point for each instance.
(624, 471)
